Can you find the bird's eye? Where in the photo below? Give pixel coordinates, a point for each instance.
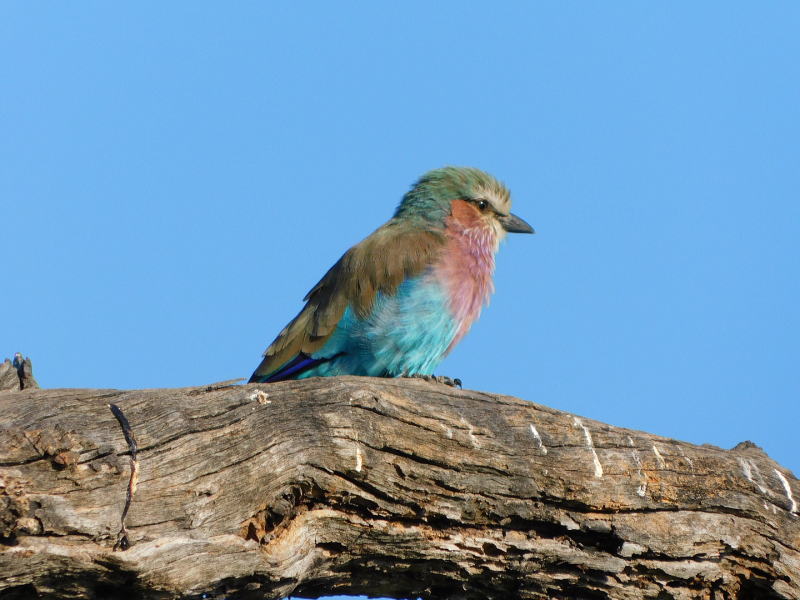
(482, 204)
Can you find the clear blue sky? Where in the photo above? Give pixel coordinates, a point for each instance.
(176, 176)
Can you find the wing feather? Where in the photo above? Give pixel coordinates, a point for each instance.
(380, 263)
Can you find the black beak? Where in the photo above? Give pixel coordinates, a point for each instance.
(513, 224)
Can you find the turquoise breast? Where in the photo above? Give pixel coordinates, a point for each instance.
(408, 333)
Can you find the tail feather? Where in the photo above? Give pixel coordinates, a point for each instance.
(291, 370)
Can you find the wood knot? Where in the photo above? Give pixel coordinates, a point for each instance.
(64, 459)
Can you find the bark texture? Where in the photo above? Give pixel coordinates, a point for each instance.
(383, 487)
(17, 375)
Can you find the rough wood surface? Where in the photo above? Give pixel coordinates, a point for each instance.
(17, 375)
(382, 487)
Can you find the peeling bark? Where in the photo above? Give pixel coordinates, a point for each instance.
(383, 487)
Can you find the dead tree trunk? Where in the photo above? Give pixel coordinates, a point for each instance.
(382, 487)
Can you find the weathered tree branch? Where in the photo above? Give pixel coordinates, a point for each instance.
(382, 487)
(17, 374)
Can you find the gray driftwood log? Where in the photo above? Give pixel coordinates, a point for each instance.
(382, 487)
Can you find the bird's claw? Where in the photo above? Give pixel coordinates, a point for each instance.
(443, 379)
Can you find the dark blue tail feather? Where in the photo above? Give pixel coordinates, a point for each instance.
(298, 365)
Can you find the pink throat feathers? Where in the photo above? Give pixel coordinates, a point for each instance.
(465, 269)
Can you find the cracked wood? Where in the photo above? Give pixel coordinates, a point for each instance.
(383, 487)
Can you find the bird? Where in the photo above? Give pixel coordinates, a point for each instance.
(397, 303)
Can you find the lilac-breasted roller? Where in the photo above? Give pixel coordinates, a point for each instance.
(398, 302)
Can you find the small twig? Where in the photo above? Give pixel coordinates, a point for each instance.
(122, 537)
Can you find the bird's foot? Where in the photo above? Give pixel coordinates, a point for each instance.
(443, 379)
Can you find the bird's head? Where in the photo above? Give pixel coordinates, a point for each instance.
(464, 195)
